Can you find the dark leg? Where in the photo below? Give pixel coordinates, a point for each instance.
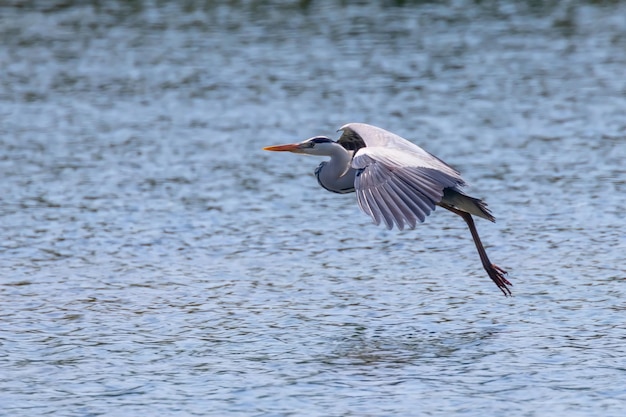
(494, 271)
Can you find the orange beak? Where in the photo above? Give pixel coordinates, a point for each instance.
(292, 147)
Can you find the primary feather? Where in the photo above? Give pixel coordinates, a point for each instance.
(397, 182)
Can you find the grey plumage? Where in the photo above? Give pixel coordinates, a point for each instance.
(400, 183)
(396, 182)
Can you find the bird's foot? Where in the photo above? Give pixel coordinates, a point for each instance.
(497, 275)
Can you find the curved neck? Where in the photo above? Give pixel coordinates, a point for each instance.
(339, 163)
(336, 175)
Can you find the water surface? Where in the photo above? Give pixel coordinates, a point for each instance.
(154, 260)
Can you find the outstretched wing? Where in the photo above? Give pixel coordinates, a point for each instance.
(397, 182)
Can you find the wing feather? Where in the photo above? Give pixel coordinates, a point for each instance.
(364, 205)
(387, 212)
(413, 212)
(402, 212)
(397, 182)
(369, 198)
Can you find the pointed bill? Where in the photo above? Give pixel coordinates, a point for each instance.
(292, 147)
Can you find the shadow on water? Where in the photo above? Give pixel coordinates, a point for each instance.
(379, 349)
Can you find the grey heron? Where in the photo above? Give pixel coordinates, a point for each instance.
(396, 182)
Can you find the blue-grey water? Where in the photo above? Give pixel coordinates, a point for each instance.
(155, 261)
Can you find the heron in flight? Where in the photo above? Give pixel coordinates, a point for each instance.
(396, 182)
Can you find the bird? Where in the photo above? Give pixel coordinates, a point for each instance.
(396, 182)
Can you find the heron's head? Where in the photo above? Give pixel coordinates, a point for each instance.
(318, 145)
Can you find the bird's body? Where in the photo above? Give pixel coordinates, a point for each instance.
(396, 182)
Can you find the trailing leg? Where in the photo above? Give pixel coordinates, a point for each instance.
(494, 271)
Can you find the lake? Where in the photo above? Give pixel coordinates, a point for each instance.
(154, 260)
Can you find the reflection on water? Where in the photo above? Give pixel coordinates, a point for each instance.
(155, 260)
(419, 346)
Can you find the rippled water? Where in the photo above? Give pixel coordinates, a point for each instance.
(154, 260)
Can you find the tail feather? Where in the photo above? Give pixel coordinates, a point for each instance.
(463, 202)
